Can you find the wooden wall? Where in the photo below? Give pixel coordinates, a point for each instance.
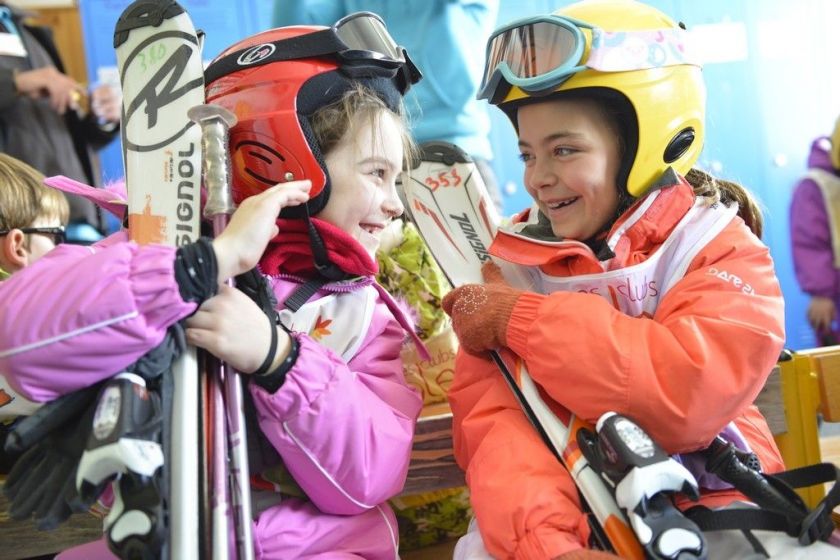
(67, 30)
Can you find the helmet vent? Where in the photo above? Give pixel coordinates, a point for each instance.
(677, 147)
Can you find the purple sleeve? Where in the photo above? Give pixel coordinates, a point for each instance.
(81, 314)
(344, 430)
(813, 258)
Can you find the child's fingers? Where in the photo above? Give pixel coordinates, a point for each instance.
(289, 194)
(296, 197)
(491, 273)
(302, 186)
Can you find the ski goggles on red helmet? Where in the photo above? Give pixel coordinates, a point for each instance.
(359, 41)
(537, 54)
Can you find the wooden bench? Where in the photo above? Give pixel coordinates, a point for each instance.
(20, 539)
(433, 464)
(804, 384)
(826, 366)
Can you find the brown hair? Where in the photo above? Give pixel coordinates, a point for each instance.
(712, 188)
(331, 122)
(24, 197)
(715, 190)
(727, 192)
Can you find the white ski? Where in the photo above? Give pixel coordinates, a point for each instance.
(446, 199)
(161, 74)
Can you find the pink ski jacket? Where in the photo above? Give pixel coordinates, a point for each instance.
(342, 425)
(678, 330)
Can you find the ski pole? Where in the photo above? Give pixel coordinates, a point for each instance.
(722, 460)
(215, 122)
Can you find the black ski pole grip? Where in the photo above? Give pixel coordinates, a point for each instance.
(722, 461)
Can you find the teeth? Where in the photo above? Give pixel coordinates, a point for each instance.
(562, 204)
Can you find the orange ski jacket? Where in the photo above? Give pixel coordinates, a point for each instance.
(684, 366)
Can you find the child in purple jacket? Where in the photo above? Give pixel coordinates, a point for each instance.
(329, 395)
(815, 236)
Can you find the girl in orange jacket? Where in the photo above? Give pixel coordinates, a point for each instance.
(650, 292)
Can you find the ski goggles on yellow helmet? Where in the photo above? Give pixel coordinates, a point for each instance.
(537, 54)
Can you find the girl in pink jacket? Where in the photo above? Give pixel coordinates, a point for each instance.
(329, 395)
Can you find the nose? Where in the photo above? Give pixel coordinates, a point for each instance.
(391, 204)
(540, 174)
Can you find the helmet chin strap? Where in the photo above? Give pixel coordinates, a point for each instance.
(325, 267)
(327, 270)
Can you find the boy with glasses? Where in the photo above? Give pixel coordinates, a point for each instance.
(32, 216)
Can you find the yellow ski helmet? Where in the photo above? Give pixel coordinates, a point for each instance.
(835, 145)
(628, 54)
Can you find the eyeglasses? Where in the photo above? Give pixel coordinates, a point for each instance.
(58, 234)
(538, 54)
(357, 38)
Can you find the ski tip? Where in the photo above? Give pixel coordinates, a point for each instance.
(142, 13)
(441, 152)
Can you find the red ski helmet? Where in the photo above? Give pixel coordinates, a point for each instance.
(275, 80)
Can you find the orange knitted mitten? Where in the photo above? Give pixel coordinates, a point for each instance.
(480, 312)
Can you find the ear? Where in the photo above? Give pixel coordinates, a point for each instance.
(13, 253)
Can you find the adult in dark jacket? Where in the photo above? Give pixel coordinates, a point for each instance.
(46, 119)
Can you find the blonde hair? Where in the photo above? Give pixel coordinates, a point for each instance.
(726, 192)
(24, 197)
(358, 105)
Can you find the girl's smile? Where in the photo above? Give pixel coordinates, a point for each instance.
(571, 160)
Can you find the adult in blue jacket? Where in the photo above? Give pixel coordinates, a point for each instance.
(446, 40)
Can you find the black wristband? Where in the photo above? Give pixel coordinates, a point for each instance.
(272, 349)
(196, 271)
(273, 380)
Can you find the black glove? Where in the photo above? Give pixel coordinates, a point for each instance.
(42, 483)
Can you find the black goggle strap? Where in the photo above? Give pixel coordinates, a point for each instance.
(320, 43)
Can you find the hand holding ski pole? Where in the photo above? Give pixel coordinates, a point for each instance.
(480, 312)
(234, 329)
(242, 243)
